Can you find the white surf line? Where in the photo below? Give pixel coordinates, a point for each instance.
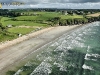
(62, 42)
(86, 58)
(71, 31)
(88, 48)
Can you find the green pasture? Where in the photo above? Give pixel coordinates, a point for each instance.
(23, 23)
(7, 37)
(71, 16)
(8, 21)
(41, 16)
(20, 30)
(47, 16)
(37, 19)
(42, 13)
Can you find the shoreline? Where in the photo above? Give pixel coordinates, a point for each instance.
(22, 38)
(26, 47)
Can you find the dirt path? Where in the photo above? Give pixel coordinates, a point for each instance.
(33, 41)
(94, 15)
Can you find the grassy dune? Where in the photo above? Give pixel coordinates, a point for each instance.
(20, 30)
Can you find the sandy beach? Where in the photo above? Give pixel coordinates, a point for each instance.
(17, 49)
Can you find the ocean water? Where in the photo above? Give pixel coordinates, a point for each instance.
(77, 53)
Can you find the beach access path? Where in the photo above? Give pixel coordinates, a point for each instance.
(17, 49)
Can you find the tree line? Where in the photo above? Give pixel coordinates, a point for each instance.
(18, 12)
(75, 21)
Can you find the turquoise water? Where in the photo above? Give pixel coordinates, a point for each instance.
(77, 53)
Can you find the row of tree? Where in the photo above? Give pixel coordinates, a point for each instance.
(72, 21)
(76, 21)
(18, 12)
(10, 14)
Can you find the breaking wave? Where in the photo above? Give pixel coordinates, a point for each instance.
(77, 53)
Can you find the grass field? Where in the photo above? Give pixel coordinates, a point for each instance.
(46, 16)
(7, 21)
(41, 16)
(20, 30)
(7, 37)
(36, 19)
(70, 16)
(29, 20)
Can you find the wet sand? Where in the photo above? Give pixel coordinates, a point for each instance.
(16, 50)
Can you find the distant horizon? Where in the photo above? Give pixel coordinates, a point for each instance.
(71, 4)
(55, 8)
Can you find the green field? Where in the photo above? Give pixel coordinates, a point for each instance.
(8, 21)
(71, 17)
(38, 20)
(20, 30)
(41, 16)
(4, 37)
(33, 19)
